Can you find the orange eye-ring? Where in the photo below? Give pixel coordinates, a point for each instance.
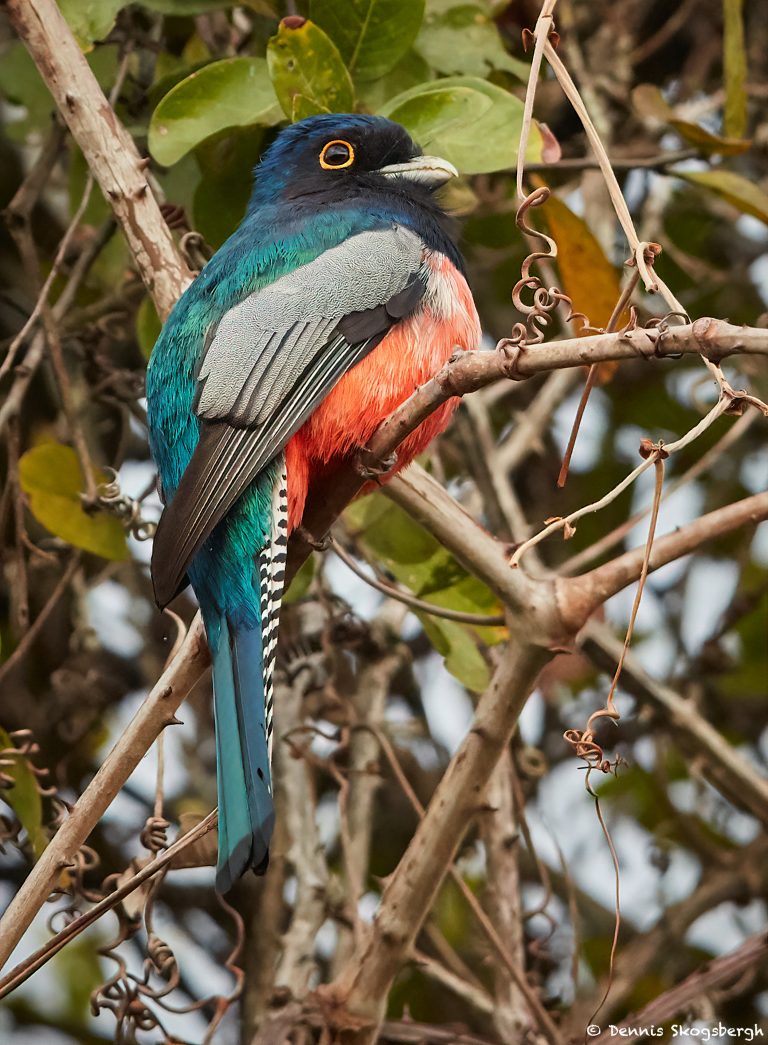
(337, 155)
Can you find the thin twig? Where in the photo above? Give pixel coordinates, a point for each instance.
(38, 624)
(35, 961)
(153, 716)
(566, 523)
(699, 467)
(479, 620)
(58, 261)
(515, 969)
(618, 311)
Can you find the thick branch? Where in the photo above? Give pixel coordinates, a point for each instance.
(410, 892)
(716, 975)
(532, 602)
(108, 148)
(579, 597)
(501, 837)
(153, 716)
(714, 338)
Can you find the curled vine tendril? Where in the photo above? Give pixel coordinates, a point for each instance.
(539, 312)
(110, 498)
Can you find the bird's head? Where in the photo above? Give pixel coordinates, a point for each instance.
(335, 157)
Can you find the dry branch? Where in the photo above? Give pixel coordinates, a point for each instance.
(157, 712)
(109, 150)
(363, 986)
(581, 596)
(743, 878)
(716, 975)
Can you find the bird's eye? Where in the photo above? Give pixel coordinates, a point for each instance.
(336, 155)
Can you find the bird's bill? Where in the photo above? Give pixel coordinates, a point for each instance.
(427, 170)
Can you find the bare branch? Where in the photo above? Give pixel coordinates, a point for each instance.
(579, 597)
(108, 148)
(157, 712)
(720, 973)
(410, 891)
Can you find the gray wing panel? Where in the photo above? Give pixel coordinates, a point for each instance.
(226, 461)
(264, 343)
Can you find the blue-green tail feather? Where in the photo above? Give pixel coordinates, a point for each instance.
(243, 642)
(246, 810)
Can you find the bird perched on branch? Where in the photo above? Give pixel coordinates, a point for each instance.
(341, 291)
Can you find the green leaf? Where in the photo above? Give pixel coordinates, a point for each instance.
(90, 20)
(743, 194)
(148, 326)
(235, 92)
(182, 8)
(460, 38)
(226, 163)
(410, 71)
(79, 974)
(24, 797)
(372, 35)
(417, 560)
(474, 124)
(50, 475)
(307, 72)
(22, 85)
(97, 208)
(455, 644)
(734, 69)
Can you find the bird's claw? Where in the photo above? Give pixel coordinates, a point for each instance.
(317, 544)
(374, 468)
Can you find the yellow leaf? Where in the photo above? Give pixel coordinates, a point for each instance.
(649, 102)
(50, 475)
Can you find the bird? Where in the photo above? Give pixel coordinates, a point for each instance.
(341, 291)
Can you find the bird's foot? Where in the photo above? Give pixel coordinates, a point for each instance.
(373, 469)
(318, 544)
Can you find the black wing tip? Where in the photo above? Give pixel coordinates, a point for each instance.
(168, 579)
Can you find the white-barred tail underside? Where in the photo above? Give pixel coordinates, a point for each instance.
(272, 562)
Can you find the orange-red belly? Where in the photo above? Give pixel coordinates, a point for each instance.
(411, 353)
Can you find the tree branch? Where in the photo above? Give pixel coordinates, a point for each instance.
(363, 986)
(716, 339)
(157, 712)
(744, 878)
(579, 597)
(108, 148)
(715, 975)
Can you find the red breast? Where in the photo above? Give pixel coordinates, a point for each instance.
(411, 353)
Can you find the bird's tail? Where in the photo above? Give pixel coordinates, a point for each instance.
(243, 662)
